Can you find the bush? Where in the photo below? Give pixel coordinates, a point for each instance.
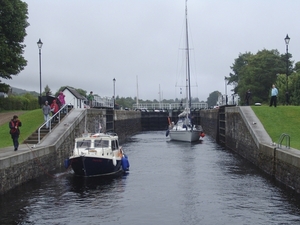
(24, 102)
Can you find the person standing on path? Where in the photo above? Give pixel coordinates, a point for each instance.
(274, 93)
(14, 125)
(248, 97)
(91, 99)
(46, 111)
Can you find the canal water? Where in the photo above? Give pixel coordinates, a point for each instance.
(168, 183)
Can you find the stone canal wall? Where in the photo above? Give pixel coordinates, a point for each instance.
(127, 123)
(246, 136)
(32, 162)
(209, 122)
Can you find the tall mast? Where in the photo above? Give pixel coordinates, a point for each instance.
(137, 93)
(188, 80)
(159, 95)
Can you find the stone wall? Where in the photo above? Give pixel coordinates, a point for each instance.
(209, 122)
(281, 163)
(27, 165)
(240, 139)
(287, 167)
(127, 123)
(42, 160)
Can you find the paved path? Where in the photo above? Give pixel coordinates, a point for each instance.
(7, 116)
(260, 135)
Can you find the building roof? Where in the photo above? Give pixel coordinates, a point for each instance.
(75, 93)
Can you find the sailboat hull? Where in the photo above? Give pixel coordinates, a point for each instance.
(184, 135)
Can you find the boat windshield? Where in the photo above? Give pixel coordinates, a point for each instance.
(101, 143)
(83, 144)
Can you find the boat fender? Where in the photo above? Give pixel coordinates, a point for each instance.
(167, 133)
(125, 163)
(202, 134)
(120, 153)
(67, 163)
(169, 120)
(114, 160)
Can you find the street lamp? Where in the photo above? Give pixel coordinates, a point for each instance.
(287, 40)
(114, 80)
(40, 44)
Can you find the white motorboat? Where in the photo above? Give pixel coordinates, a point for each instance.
(98, 155)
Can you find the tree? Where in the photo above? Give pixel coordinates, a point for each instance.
(294, 87)
(297, 67)
(237, 67)
(47, 90)
(13, 23)
(257, 72)
(213, 98)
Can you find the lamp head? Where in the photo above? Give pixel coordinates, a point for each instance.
(287, 39)
(40, 44)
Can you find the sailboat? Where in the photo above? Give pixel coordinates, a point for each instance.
(185, 129)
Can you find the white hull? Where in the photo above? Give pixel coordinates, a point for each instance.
(184, 135)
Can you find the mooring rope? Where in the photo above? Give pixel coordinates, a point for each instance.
(36, 158)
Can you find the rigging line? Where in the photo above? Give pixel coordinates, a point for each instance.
(179, 53)
(35, 157)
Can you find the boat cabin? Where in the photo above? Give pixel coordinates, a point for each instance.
(103, 145)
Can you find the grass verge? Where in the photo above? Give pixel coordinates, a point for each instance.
(31, 120)
(279, 120)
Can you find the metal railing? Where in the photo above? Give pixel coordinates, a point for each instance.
(168, 106)
(287, 140)
(65, 109)
(103, 102)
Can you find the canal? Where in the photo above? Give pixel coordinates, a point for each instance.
(168, 183)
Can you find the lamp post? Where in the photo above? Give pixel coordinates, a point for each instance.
(114, 80)
(40, 44)
(287, 40)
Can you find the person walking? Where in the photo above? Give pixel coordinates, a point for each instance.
(14, 125)
(46, 111)
(91, 99)
(61, 98)
(274, 93)
(54, 109)
(248, 97)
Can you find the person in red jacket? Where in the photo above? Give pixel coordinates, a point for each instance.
(54, 109)
(14, 125)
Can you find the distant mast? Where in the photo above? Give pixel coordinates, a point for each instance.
(137, 93)
(159, 97)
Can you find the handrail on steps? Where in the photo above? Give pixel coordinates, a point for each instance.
(287, 140)
(64, 108)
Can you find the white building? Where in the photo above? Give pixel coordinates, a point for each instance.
(72, 97)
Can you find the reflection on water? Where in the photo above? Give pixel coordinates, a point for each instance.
(104, 184)
(169, 183)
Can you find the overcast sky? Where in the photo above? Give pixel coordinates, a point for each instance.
(139, 43)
